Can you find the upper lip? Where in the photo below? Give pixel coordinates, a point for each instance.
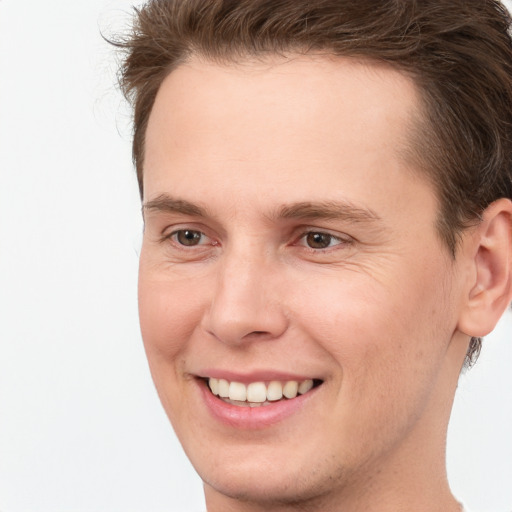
(254, 376)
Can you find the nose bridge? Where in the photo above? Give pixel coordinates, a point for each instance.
(246, 303)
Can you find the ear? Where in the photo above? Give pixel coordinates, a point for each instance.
(490, 291)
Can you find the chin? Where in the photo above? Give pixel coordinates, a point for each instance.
(264, 490)
(267, 479)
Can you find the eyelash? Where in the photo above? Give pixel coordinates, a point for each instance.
(173, 237)
(304, 236)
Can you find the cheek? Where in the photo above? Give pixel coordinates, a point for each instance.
(391, 309)
(387, 354)
(169, 311)
(380, 332)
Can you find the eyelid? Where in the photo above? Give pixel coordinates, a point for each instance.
(171, 228)
(205, 239)
(169, 232)
(304, 231)
(341, 238)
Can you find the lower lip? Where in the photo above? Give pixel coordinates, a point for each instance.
(253, 418)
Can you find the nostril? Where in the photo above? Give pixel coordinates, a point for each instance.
(258, 336)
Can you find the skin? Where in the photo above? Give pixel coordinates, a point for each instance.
(377, 315)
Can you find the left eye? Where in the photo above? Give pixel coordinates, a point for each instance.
(319, 240)
(188, 237)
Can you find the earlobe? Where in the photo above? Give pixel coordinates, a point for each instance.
(491, 291)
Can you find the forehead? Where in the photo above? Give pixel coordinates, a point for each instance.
(293, 89)
(277, 122)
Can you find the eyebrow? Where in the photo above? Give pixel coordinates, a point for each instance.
(166, 203)
(306, 210)
(327, 210)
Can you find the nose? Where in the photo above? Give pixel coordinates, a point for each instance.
(246, 302)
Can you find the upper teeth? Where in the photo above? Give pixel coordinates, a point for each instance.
(259, 391)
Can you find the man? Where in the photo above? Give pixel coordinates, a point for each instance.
(327, 193)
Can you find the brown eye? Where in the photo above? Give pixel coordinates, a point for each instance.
(319, 240)
(188, 237)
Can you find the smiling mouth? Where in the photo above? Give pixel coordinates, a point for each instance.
(257, 394)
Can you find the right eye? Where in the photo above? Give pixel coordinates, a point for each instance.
(189, 237)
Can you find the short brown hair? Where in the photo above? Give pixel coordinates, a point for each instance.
(458, 52)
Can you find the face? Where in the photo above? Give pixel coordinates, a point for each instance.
(290, 248)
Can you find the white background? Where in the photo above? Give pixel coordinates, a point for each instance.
(81, 428)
